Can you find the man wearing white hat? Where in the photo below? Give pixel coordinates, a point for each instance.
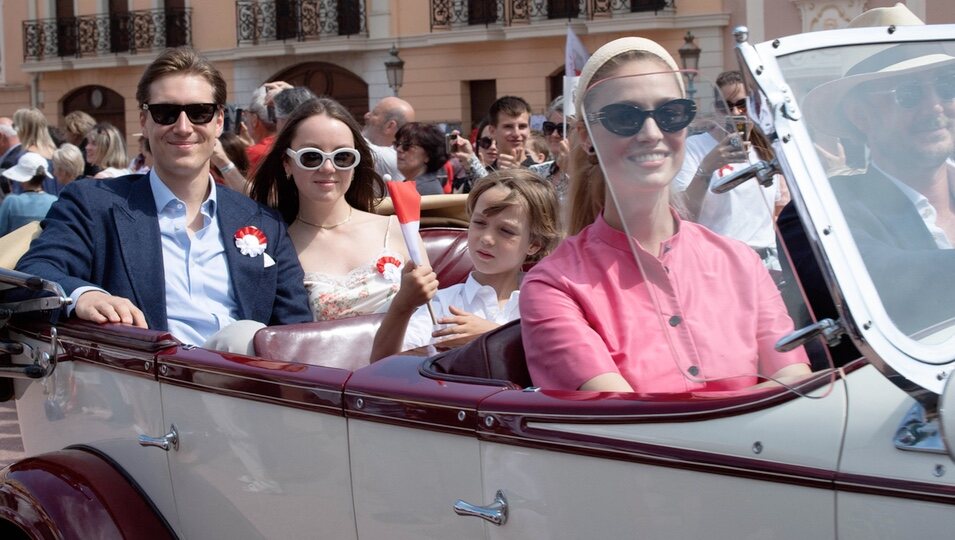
(899, 100)
(32, 203)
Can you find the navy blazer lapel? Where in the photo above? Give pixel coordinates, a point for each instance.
(895, 210)
(246, 272)
(137, 228)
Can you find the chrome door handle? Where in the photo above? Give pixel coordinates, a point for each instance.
(496, 513)
(168, 440)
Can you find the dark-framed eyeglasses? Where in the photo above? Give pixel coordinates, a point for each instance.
(310, 159)
(404, 146)
(908, 94)
(550, 127)
(485, 142)
(626, 119)
(167, 114)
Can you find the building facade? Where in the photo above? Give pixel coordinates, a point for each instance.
(459, 55)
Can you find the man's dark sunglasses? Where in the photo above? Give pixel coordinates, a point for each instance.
(485, 142)
(550, 127)
(627, 119)
(168, 113)
(908, 94)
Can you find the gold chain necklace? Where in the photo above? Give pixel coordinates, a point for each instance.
(327, 227)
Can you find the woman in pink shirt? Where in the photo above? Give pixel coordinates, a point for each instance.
(667, 306)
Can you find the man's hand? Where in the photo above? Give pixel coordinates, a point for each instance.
(99, 307)
(507, 161)
(274, 87)
(463, 325)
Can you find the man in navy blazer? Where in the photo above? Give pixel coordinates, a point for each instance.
(171, 250)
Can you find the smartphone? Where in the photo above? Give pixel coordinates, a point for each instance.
(237, 125)
(450, 142)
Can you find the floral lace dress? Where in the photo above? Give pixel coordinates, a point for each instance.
(366, 289)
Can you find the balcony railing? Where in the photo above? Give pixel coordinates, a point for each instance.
(447, 14)
(300, 20)
(106, 33)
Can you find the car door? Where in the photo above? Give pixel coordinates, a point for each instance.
(758, 466)
(262, 447)
(103, 394)
(414, 451)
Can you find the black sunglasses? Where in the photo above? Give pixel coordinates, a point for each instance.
(741, 104)
(910, 93)
(485, 142)
(627, 119)
(404, 146)
(550, 127)
(168, 113)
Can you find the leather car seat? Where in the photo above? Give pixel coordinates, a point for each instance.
(496, 357)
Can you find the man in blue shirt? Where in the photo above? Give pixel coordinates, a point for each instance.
(171, 250)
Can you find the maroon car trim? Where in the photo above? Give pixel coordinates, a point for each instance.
(899, 489)
(392, 391)
(289, 384)
(42, 495)
(431, 416)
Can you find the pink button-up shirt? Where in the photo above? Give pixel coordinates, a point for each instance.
(706, 309)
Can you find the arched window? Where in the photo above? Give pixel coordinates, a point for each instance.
(330, 80)
(99, 102)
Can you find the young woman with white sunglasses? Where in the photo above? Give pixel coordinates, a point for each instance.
(320, 176)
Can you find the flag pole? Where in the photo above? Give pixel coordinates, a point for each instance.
(407, 206)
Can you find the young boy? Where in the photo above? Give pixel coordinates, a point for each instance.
(513, 221)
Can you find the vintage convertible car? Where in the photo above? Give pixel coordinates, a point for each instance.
(133, 435)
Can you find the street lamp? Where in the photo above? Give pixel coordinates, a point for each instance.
(395, 69)
(690, 58)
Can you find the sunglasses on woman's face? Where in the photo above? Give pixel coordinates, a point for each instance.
(167, 114)
(908, 94)
(404, 146)
(550, 127)
(485, 142)
(310, 159)
(626, 119)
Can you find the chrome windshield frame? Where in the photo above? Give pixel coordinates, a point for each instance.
(925, 368)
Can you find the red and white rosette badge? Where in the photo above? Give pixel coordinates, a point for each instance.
(407, 202)
(252, 242)
(390, 268)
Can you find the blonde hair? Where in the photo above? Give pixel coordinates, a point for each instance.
(110, 147)
(32, 128)
(68, 159)
(78, 124)
(536, 195)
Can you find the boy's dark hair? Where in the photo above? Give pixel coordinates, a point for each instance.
(510, 106)
(535, 194)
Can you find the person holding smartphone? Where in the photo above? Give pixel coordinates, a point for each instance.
(746, 212)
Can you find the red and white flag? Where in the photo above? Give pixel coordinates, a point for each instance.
(575, 56)
(407, 203)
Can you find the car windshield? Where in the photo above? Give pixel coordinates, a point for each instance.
(702, 283)
(882, 121)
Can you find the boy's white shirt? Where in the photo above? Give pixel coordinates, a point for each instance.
(471, 296)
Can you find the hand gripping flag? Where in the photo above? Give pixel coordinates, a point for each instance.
(407, 202)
